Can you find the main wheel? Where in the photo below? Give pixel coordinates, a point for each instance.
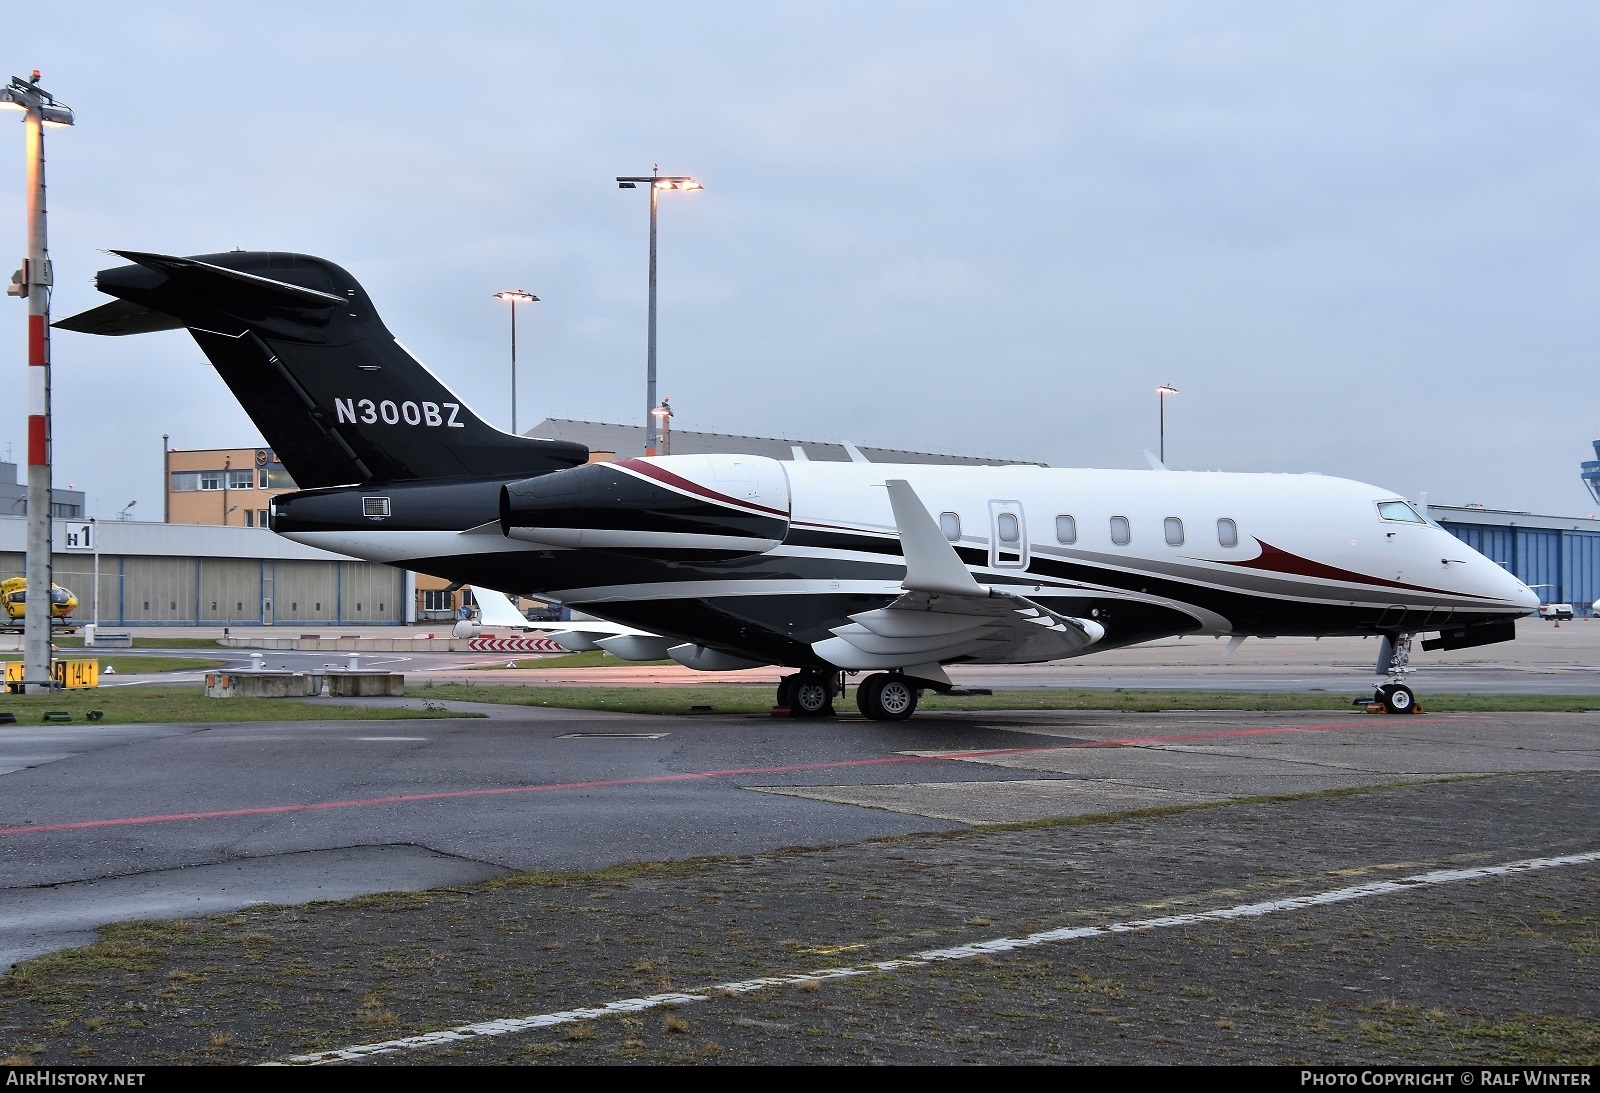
(785, 699)
(810, 695)
(883, 697)
(1397, 698)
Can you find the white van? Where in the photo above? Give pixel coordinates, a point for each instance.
(1560, 612)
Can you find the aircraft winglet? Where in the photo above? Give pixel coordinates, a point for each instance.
(932, 564)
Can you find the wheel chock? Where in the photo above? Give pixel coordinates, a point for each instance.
(782, 711)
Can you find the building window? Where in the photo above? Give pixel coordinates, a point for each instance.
(1121, 533)
(249, 518)
(241, 480)
(261, 518)
(950, 524)
(1173, 528)
(1066, 529)
(435, 599)
(185, 481)
(263, 479)
(1227, 532)
(211, 480)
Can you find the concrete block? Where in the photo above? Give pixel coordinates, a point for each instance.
(347, 684)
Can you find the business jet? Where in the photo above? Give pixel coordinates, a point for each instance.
(831, 569)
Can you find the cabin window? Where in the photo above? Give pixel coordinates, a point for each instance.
(1227, 532)
(1009, 529)
(1066, 529)
(1399, 510)
(950, 524)
(1173, 528)
(1121, 534)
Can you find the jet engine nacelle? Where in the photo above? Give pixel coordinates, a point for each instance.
(706, 506)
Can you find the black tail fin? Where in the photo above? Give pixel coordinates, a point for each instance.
(300, 345)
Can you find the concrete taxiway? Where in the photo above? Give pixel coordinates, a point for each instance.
(1546, 658)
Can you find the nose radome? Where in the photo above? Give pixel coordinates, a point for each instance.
(1525, 597)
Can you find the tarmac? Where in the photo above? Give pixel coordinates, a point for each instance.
(102, 825)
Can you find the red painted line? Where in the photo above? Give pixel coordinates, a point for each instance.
(659, 779)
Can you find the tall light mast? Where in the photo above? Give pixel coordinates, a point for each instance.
(33, 282)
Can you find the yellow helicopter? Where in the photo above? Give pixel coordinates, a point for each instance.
(14, 598)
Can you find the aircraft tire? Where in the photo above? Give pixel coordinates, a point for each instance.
(1397, 698)
(810, 695)
(785, 692)
(883, 697)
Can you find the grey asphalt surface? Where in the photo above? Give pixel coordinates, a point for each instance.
(540, 789)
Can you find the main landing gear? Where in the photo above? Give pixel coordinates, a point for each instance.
(883, 696)
(808, 694)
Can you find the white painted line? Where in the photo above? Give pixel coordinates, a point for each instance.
(507, 1025)
(615, 736)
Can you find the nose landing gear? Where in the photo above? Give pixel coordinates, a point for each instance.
(1394, 661)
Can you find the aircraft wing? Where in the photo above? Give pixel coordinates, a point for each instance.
(946, 615)
(576, 635)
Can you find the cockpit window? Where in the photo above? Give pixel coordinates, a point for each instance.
(1399, 510)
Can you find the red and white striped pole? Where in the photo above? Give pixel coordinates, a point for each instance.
(34, 282)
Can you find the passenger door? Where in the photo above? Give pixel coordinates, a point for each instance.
(1008, 535)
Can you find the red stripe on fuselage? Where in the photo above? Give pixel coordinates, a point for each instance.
(666, 477)
(1276, 560)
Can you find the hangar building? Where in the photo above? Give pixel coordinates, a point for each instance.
(194, 575)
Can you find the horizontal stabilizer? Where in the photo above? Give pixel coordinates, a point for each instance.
(119, 317)
(262, 291)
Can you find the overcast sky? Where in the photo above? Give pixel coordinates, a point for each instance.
(1361, 238)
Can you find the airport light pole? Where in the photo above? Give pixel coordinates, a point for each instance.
(515, 295)
(1161, 394)
(33, 282)
(658, 182)
(663, 416)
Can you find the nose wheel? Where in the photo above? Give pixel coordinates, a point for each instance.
(1396, 698)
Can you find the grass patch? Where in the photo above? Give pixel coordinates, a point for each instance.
(75, 641)
(595, 658)
(136, 665)
(758, 698)
(148, 705)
